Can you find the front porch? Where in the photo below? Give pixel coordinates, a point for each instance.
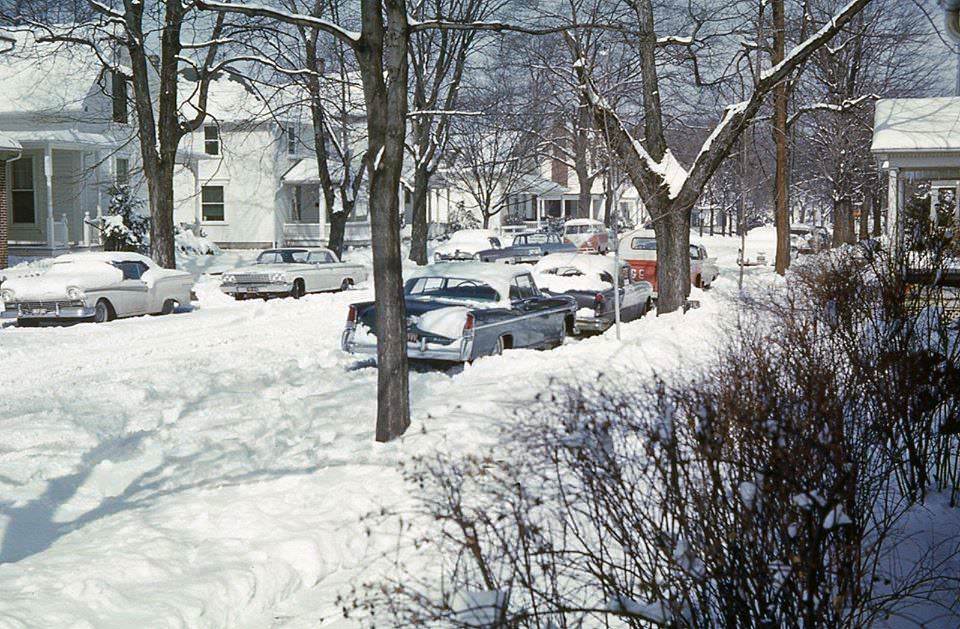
(58, 190)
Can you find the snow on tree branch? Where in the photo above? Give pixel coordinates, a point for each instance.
(300, 19)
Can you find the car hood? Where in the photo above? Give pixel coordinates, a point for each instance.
(54, 285)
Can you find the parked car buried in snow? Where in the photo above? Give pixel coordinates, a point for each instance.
(292, 272)
(639, 249)
(528, 247)
(457, 312)
(95, 287)
(587, 234)
(589, 280)
(808, 239)
(466, 244)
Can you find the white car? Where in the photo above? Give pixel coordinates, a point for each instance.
(97, 287)
(292, 272)
(466, 244)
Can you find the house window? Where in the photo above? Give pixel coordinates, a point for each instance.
(21, 188)
(211, 203)
(292, 140)
(211, 139)
(123, 171)
(118, 91)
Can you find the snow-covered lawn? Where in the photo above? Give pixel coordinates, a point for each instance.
(210, 468)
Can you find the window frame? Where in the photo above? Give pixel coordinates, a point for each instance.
(211, 142)
(293, 139)
(123, 180)
(205, 203)
(32, 191)
(120, 98)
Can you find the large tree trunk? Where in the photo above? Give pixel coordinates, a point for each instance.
(673, 258)
(843, 222)
(420, 229)
(383, 67)
(781, 178)
(162, 244)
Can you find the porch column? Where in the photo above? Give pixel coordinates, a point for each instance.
(48, 176)
(894, 205)
(539, 211)
(194, 166)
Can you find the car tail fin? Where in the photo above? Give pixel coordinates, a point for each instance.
(598, 302)
(468, 324)
(352, 316)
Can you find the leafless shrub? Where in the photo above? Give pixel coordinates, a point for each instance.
(773, 489)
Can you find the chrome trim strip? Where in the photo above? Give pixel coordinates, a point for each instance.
(522, 317)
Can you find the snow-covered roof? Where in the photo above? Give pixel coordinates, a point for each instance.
(497, 276)
(62, 136)
(591, 268)
(583, 221)
(639, 233)
(917, 125)
(9, 144)
(46, 77)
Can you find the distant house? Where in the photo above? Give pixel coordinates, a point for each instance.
(70, 118)
(9, 149)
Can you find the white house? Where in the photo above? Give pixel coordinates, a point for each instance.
(71, 119)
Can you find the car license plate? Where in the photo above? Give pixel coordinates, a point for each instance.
(38, 311)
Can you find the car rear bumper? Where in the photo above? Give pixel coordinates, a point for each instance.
(258, 290)
(592, 324)
(459, 351)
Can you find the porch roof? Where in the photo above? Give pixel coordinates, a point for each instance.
(917, 125)
(304, 171)
(71, 138)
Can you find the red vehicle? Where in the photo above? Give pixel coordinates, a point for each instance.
(639, 249)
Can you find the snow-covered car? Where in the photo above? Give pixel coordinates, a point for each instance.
(703, 268)
(589, 280)
(466, 244)
(808, 239)
(587, 234)
(528, 247)
(97, 287)
(292, 272)
(457, 312)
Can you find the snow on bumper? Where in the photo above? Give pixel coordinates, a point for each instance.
(458, 351)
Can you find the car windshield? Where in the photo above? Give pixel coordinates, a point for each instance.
(287, 256)
(531, 239)
(455, 288)
(644, 244)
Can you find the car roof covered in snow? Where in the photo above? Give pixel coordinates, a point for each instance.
(105, 256)
(917, 124)
(586, 263)
(497, 276)
(639, 233)
(583, 221)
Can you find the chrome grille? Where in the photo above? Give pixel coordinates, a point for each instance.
(252, 278)
(44, 306)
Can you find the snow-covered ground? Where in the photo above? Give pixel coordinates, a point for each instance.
(210, 468)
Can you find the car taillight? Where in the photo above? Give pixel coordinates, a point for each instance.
(468, 325)
(598, 302)
(352, 315)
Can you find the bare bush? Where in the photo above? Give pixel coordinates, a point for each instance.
(775, 488)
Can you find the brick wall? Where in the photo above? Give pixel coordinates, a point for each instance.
(4, 222)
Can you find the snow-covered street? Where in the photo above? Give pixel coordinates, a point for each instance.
(210, 468)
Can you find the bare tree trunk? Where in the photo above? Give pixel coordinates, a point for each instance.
(842, 222)
(781, 178)
(338, 228)
(865, 215)
(877, 218)
(383, 62)
(673, 258)
(420, 231)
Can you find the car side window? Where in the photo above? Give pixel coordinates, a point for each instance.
(694, 252)
(321, 257)
(495, 242)
(523, 287)
(703, 253)
(132, 270)
(519, 240)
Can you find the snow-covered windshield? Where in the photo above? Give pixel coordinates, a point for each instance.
(454, 288)
(285, 256)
